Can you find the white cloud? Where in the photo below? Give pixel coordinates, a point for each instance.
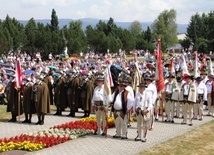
(119, 10)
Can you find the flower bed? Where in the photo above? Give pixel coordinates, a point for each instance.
(52, 136)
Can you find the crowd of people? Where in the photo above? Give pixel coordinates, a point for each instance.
(79, 82)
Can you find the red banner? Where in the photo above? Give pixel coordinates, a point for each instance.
(18, 74)
(159, 69)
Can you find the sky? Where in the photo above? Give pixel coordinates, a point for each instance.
(119, 10)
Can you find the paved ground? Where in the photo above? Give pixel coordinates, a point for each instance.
(96, 144)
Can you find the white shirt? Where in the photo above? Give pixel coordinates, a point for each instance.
(202, 90)
(118, 101)
(169, 87)
(143, 100)
(153, 90)
(99, 95)
(209, 87)
(186, 89)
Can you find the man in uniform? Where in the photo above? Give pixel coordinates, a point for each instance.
(28, 103)
(202, 96)
(48, 79)
(122, 103)
(60, 94)
(87, 94)
(74, 94)
(41, 99)
(14, 100)
(99, 104)
(188, 97)
(142, 108)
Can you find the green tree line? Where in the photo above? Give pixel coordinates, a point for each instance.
(49, 38)
(200, 32)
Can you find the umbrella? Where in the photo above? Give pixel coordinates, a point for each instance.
(52, 67)
(6, 65)
(9, 70)
(28, 71)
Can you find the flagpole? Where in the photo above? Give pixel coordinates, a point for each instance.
(19, 98)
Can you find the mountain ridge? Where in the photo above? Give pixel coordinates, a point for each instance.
(181, 28)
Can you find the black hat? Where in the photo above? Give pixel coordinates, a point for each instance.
(179, 79)
(199, 78)
(171, 76)
(211, 76)
(203, 73)
(121, 82)
(148, 78)
(100, 77)
(142, 84)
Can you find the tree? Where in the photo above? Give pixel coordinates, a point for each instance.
(185, 43)
(54, 21)
(76, 37)
(30, 32)
(200, 30)
(165, 27)
(148, 35)
(135, 28)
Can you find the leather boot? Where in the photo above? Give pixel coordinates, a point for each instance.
(39, 120)
(42, 119)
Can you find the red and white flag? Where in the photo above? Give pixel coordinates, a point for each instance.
(18, 74)
(159, 69)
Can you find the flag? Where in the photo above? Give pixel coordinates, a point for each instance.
(137, 78)
(159, 69)
(108, 83)
(171, 66)
(184, 66)
(18, 74)
(210, 68)
(196, 69)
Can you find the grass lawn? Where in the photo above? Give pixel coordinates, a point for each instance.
(199, 141)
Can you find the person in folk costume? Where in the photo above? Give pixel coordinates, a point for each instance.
(151, 87)
(170, 103)
(188, 96)
(99, 104)
(142, 108)
(204, 80)
(128, 81)
(12, 97)
(28, 103)
(209, 85)
(48, 79)
(60, 94)
(41, 99)
(74, 94)
(201, 97)
(175, 96)
(87, 89)
(121, 105)
(212, 96)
